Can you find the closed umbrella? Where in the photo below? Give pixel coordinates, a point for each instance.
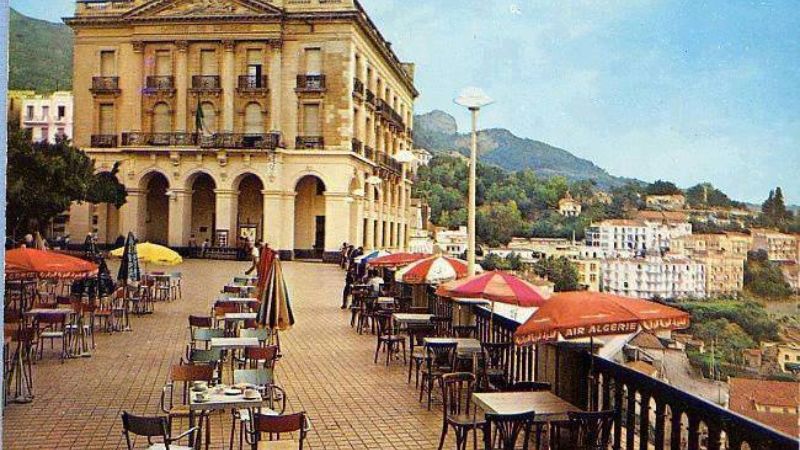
(275, 312)
(129, 268)
(90, 248)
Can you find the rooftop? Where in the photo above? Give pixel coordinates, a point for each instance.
(753, 398)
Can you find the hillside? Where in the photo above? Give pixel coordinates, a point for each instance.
(40, 54)
(437, 131)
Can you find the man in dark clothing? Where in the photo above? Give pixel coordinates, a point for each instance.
(348, 287)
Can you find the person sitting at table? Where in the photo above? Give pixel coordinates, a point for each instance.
(375, 282)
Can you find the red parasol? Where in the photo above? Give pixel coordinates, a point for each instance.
(573, 315)
(495, 286)
(397, 259)
(433, 270)
(26, 263)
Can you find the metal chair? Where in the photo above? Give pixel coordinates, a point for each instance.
(503, 431)
(271, 394)
(458, 411)
(152, 427)
(274, 426)
(52, 327)
(204, 336)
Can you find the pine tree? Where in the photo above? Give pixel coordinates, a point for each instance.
(779, 207)
(768, 207)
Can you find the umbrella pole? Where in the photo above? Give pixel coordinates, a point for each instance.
(591, 373)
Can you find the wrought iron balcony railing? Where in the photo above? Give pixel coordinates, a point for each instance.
(104, 140)
(131, 139)
(105, 85)
(159, 83)
(206, 83)
(309, 142)
(311, 83)
(358, 87)
(358, 147)
(370, 97)
(253, 84)
(265, 141)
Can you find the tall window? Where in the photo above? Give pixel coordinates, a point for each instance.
(311, 120)
(163, 63)
(162, 120)
(209, 117)
(29, 112)
(45, 134)
(253, 119)
(107, 64)
(208, 62)
(107, 125)
(313, 61)
(45, 112)
(62, 111)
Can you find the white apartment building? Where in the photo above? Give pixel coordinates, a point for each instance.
(629, 238)
(452, 242)
(653, 276)
(47, 117)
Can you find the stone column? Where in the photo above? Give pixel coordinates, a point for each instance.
(181, 84)
(337, 221)
(273, 219)
(225, 207)
(137, 84)
(228, 80)
(275, 86)
(369, 212)
(180, 220)
(133, 213)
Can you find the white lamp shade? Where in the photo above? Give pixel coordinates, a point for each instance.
(473, 97)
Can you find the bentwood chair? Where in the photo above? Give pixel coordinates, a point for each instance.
(388, 339)
(152, 427)
(416, 335)
(440, 359)
(274, 427)
(586, 431)
(503, 431)
(458, 411)
(496, 354)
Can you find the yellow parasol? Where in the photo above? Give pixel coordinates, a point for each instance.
(153, 254)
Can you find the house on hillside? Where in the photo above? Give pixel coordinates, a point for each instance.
(568, 206)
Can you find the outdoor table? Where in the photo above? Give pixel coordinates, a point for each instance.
(385, 301)
(405, 318)
(548, 406)
(465, 347)
(239, 281)
(233, 343)
(40, 312)
(220, 401)
(238, 317)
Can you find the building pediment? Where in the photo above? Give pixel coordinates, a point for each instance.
(161, 9)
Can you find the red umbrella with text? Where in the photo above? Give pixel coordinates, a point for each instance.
(575, 315)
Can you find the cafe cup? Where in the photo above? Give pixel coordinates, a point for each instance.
(200, 385)
(250, 393)
(203, 396)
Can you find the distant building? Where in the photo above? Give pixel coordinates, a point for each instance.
(419, 236)
(779, 246)
(602, 197)
(775, 404)
(569, 207)
(633, 237)
(788, 357)
(15, 100)
(724, 274)
(654, 276)
(730, 244)
(452, 242)
(47, 117)
(791, 273)
(672, 202)
(423, 156)
(589, 273)
(752, 358)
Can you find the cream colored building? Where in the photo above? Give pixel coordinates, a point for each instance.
(654, 276)
(779, 246)
(588, 273)
(724, 273)
(569, 207)
(302, 105)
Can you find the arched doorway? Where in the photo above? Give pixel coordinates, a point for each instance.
(156, 209)
(203, 207)
(309, 218)
(250, 212)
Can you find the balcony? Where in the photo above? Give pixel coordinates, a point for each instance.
(159, 84)
(358, 88)
(252, 84)
(369, 152)
(206, 83)
(358, 147)
(370, 97)
(310, 83)
(105, 85)
(133, 139)
(104, 140)
(309, 142)
(264, 141)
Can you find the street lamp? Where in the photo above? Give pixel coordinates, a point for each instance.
(474, 99)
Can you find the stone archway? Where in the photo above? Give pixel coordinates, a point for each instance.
(250, 219)
(309, 218)
(155, 208)
(203, 209)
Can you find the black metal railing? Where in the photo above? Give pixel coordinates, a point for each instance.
(104, 140)
(370, 97)
(309, 142)
(264, 141)
(311, 83)
(105, 85)
(358, 147)
(369, 152)
(253, 84)
(358, 87)
(131, 139)
(206, 83)
(159, 83)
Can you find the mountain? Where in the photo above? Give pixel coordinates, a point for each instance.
(437, 132)
(40, 54)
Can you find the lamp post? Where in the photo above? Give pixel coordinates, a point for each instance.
(474, 99)
(404, 157)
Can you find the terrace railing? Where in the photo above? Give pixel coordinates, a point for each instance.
(311, 83)
(264, 141)
(358, 147)
(309, 142)
(105, 85)
(358, 87)
(206, 83)
(253, 84)
(159, 83)
(104, 140)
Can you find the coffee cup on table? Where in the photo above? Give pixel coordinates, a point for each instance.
(250, 393)
(201, 385)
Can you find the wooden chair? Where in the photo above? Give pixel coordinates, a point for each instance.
(503, 431)
(198, 322)
(496, 354)
(152, 427)
(586, 431)
(465, 331)
(182, 377)
(416, 334)
(440, 359)
(260, 357)
(273, 427)
(212, 357)
(388, 339)
(457, 409)
(442, 325)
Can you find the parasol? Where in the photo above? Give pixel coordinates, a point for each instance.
(129, 268)
(275, 312)
(30, 263)
(150, 253)
(433, 270)
(396, 259)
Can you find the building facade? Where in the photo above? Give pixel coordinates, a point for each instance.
(654, 276)
(272, 120)
(46, 117)
(452, 242)
(779, 246)
(632, 237)
(569, 207)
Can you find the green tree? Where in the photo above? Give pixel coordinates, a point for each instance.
(560, 271)
(764, 278)
(706, 195)
(44, 179)
(661, 187)
(497, 223)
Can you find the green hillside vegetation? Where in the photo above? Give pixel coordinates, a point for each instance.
(40, 54)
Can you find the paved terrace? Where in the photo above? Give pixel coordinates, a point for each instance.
(327, 371)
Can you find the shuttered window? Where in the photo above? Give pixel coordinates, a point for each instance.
(253, 119)
(162, 121)
(209, 117)
(311, 120)
(107, 125)
(208, 62)
(313, 61)
(163, 63)
(107, 64)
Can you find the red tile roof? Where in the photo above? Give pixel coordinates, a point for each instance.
(746, 393)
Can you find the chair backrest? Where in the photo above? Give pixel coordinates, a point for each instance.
(590, 430)
(442, 325)
(441, 354)
(205, 356)
(145, 426)
(262, 334)
(205, 334)
(508, 429)
(479, 370)
(496, 353)
(527, 386)
(268, 354)
(222, 309)
(231, 289)
(191, 373)
(200, 321)
(418, 332)
(465, 331)
(457, 393)
(384, 323)
(54, 320)
(288, 423)
(258, 377)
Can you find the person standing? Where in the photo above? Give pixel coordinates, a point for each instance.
(349, 279)
(255, 257)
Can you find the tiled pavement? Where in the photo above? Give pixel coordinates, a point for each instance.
(327, 371)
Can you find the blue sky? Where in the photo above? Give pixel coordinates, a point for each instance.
(689, 91)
